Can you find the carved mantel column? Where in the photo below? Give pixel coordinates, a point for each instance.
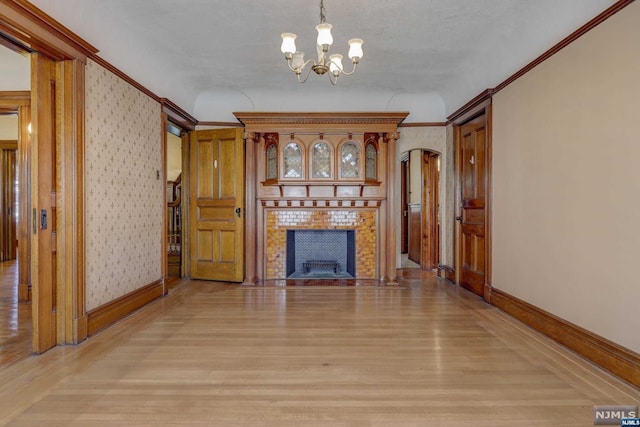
(392, 210)
(250, 139)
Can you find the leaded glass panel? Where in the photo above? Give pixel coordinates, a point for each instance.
(350, 159)
(321, 161)
(292, 161)
(272, 162)
(371, 164)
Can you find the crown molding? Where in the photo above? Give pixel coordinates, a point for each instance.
(39, 32)
(606, 14)
(177, 115)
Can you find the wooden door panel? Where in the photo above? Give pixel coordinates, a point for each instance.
(473, 201)
(216, 205)
(415, 232)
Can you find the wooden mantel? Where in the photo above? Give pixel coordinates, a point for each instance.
(280, 196)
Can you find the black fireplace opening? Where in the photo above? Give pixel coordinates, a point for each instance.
(321, 254)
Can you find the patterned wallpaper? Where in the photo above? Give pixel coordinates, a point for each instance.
(123, 196)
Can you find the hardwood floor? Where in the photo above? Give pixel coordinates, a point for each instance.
(208, 354)
(15, 318)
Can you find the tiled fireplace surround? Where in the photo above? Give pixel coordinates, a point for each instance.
(278, 221)
(363, 205)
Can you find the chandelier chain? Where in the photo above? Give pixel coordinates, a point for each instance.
(322, 12)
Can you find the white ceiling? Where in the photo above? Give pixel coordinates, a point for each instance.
(213, 57)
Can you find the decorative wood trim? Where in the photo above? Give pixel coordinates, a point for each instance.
(608, 355)
(488, 227)
(177, 115)
(473, 108)
(12, 99)
(38, 31)
(70, 202)
(222, 124)
(111, 312)
(323, 118)
(422, 124)
(612, 10)
(165, 211)
(13, 45)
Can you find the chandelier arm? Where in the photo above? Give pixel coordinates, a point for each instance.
(303, 65)
(308, 72)
(350, 72)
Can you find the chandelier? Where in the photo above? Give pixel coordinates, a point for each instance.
(325, 63)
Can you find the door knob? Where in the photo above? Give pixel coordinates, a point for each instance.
(238, 210)
(458, 218)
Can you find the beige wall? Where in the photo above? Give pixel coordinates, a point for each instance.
(174, 156)
(9, 128)
(566, 182)
(124, 193)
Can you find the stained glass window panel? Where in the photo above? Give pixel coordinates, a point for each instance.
(350, 159)
(371, 165)
(321, 161)
(272, 162)
(292, 161)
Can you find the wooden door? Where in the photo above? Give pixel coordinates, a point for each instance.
(8, 200)
(216, 205)
(43, 203)
(430, 201)
(473, 172)
(404, 205)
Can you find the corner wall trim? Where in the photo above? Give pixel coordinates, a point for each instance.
(109, 313)
(608, 355)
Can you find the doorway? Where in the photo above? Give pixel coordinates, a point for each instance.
(420, 204)
(16, 330)
(175, 204)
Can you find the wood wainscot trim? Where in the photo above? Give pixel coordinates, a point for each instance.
(447, 272)
(111, 312)
(606, 354)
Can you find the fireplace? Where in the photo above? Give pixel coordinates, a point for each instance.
(329, 173)
(321, 254)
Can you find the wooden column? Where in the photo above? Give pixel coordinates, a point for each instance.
(71, 310)
(392, 209)
(250, 139)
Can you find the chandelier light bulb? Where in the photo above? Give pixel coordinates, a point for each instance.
(355, 50)
(297, 62)
(288, 43)
(324, 34)
(335, 65)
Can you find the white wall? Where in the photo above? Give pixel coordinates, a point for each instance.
(566, 182)
(15, 70)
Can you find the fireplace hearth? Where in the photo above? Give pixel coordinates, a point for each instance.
(321, 254)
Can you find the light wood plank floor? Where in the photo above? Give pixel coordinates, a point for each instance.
(15, 317)
(424, 354)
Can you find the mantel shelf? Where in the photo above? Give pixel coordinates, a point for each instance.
(334, 184)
